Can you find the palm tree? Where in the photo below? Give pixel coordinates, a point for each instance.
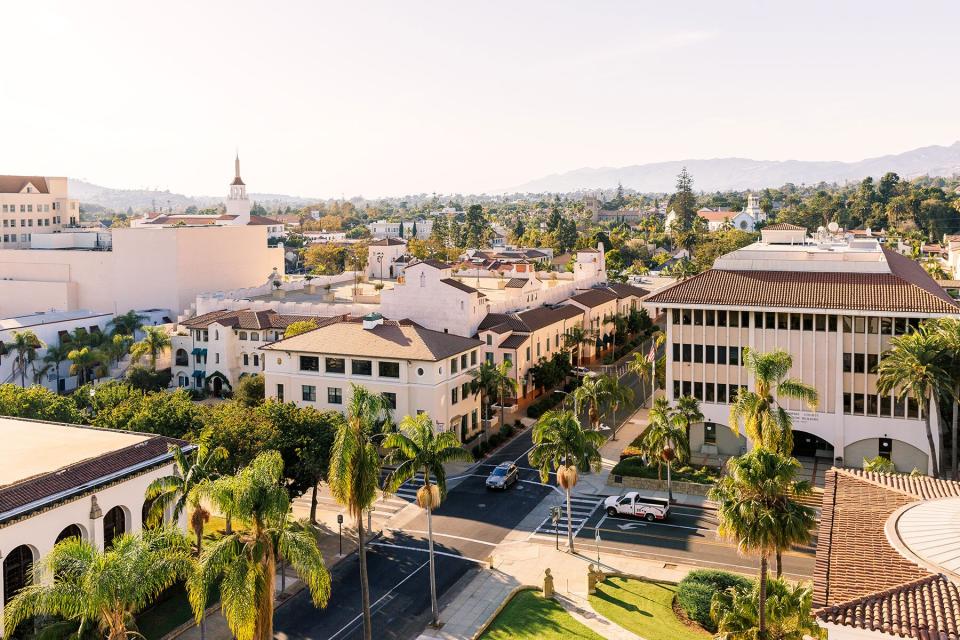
(754, 500)
(505, 384)
(617, 395)
(416, 448)
(103, 587)
(56, 355)
(181, 489)
(128, 323)
(648, 367)
(244, 563)
(915, 366)
(355, 472)
(949, 331)
(684, 268)
(155, 341)
(665, 439)
(575, 338)
(25, 344)
(787, 612)
(879, 464)
(118, 346)
(936, 269)
(765, 422)
(688, 412)
(82, 361)
(561, 443)
(595, 394)
(492, 380)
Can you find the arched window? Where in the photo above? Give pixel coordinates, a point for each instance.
(72, 531)
(16, 571)
(182, 359)
(114, 524)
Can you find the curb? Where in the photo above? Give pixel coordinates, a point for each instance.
(503, 605)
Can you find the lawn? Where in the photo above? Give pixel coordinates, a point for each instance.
(644, 608)
(530, 616)
(165, 615)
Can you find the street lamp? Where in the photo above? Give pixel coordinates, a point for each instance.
(379, 255)
(340, 535)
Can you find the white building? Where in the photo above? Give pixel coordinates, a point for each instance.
(419, 370)
(213, 351)
(238, 213)
(722, 218)
(419, 229)
(59, 481)
(34, 205)
(833, 303)
(386, 258)
(154, 267)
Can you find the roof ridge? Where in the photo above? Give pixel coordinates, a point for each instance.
(889, 591)
(852, 473)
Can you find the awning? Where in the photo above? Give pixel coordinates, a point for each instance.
(197, 351)
(199, 374)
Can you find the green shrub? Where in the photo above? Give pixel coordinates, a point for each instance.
(630, 452)
(543, 404)
(495, 440)
(475, 452)
(696, 591)
(635, 467)
(506, 431)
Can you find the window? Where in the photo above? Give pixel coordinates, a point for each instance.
(242, 335)
(847, 324)
(698, 317)
(309, 393)
(710, 354)
(722, 318)
(847, 362)
(710, 318)
(758, 319)
(808, 322)
(254, 337)
(708, 392)
(453, 365)
(709, 433)
(676, 352)
(721, 355)
(489, 339)
(859, 324)
(465, 390)
(698, 353)
(783, 321)
(508, 358)
(886, 404)
(886, 326)
(335, 365)
(334, 395)
(455, 395)
(873, 405)
(698, 390)
(847, 403)
(899, 407)
(687, 387)
(419, 371)
(246, 359)
(256, 359)
(721, 392)
(795, 321)
(361, 367)
(309, 363)
(687, 353)
(872, 361)
(388, 369)
(873, 325)
(488, 357)
(859, 363)
(821, 322)
(858, 403)
(463, 361)
(528, 353)
(391, 399)
(832, 323)
(473, 354)
(675, 314)
(676, 388)
(735, 355)
(280, 392)
(900, 326)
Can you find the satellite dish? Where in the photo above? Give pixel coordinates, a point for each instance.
(833, 227)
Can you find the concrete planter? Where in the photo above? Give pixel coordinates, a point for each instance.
(311, 289)
(650, 484)
(279, 293)
(327, 296)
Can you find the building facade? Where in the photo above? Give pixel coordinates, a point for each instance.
(34, 205)
(419, 229)
(833, 303)
(417, 369)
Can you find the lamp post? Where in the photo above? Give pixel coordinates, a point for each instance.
(340, 534)
(379, 255)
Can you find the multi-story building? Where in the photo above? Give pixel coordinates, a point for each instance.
(419, 229)
(34, 204)
(213, 351)
(386, 258)
(417, 369)
(833, 303)
(59, 481)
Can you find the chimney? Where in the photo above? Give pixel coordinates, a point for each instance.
(372, 321)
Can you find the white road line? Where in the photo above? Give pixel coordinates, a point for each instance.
(515, 460)
(442, 535)
(381, 598)
(663, 524)
(438, 553)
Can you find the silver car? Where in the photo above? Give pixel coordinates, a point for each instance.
(504, 475)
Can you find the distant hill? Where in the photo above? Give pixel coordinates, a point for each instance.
(120, 200)
(741, 173)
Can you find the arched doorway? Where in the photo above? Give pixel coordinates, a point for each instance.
(217, 387)
(72, 531)
(16, 571)
(114, 524)
(181, 359)
(807, 445)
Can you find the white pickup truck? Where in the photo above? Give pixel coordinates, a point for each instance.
(639, 506)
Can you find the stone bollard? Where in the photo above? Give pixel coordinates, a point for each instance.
(547, 584)
(591, 580)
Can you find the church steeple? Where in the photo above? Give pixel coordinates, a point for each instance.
(236, 172)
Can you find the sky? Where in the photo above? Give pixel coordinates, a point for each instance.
(379, 98)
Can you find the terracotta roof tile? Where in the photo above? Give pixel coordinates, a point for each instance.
(545, 316)
(15, 184)
(516, 283)
(456, 284)
(246, 319)
(515, 341)
(594, 297)
(624, 290)
(810, 290)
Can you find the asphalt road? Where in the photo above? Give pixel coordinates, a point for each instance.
(467, 526)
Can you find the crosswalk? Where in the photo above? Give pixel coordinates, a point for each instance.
(581, 508)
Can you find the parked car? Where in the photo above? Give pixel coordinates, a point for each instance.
(634, 504)
(583, 371)
(503, 475)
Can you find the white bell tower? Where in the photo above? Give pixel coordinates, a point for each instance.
(237, 202)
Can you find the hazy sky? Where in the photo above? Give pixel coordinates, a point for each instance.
(401, 96)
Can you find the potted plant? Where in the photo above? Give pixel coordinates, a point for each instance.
(277, 291)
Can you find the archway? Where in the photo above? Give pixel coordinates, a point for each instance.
(114, 525)
(182, 360)
(904, 456)
(71, 531)
(16, 571)
(808, 445)
(217, 387)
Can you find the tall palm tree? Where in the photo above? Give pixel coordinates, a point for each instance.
(25, 344)
(687, 413)
(617, 395)
(105, 588)
(155, 341)
(665, 439)
(647, 366)
(118, 346)
(787, 612)
(915, 366)
(575, 338)
(561, 443)
(56, 355)
(754, 499)
(181, 489)
(765, 422)
(596, 394)
(484, 382)
(949, 331)
(355, 472)
(127, 323)
(244, 563)
(416, 448)
(82, 361)
(504, 383)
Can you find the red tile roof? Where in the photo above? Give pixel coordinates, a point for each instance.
(456, 284)
(15, 184)
(594, 297)
(246, 319)
(515, 341)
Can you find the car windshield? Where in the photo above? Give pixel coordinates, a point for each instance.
(499, 472)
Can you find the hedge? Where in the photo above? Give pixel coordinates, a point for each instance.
(635, 467)
(543, 404)
(696, 591)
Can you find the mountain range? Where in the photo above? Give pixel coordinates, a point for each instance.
(721, 174)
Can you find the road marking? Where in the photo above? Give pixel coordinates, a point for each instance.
(438, 553)
(628, 526)
(581, 509)
(662, 524)
(515, 460)
(380, 599)
(703, 541)
(441, 535)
